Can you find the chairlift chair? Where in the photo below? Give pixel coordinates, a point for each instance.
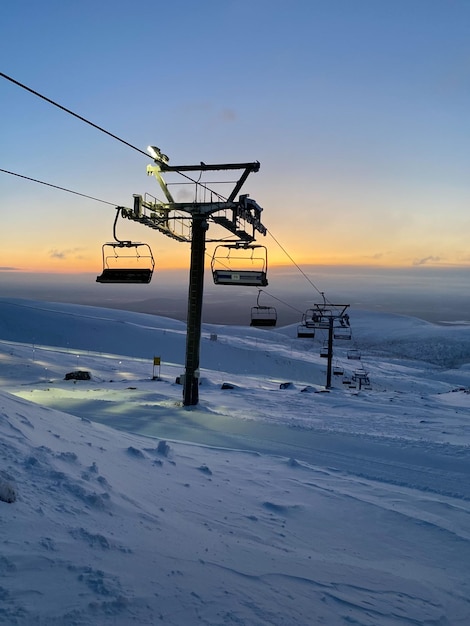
(304, 332)
(263, 315)
(361, 378)
(341, 332)
(338, 370)
(361, 375)
(235, 268)
(324, 352)
(354, 355)
(126, 262)
(318, 318)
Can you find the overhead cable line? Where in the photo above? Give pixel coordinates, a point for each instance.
(59, 106)
(281, 301)
(296, 265)
(41, 182)
(83, 119)
(103, 130)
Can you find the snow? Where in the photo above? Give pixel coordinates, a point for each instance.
(262, 505)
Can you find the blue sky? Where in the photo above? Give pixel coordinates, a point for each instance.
(357, 111)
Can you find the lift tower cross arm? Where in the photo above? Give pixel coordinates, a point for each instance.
(165, 214)
(204, 167)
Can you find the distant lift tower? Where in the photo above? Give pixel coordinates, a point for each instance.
(334, 319)
(188, 221)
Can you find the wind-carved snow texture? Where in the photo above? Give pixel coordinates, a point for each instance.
(7, 491)
(262, 505)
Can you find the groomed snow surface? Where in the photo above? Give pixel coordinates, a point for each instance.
(261, 506)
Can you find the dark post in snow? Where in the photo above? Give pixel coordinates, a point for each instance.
(330, 352)
(194, 320)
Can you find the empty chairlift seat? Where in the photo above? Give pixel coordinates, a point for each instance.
(126, 262)
(263, 315)
(318, 317)
(305, 332)
(340, 332)
(240, 265)
(354, 355)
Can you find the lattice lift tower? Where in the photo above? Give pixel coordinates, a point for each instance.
(188, 221)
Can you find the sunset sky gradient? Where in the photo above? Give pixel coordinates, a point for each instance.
(356, 109)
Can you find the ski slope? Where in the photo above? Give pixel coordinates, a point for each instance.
(262, 505)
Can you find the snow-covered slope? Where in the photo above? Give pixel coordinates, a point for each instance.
(262, 505)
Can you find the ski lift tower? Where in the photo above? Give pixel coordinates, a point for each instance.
(188, 221)
(334, 319)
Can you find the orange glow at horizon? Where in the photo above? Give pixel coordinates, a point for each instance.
(89, 267)
(86, 257)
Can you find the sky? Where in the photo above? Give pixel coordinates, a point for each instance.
(356, 111)
(262, 505)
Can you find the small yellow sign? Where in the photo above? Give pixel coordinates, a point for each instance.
(156, 360)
